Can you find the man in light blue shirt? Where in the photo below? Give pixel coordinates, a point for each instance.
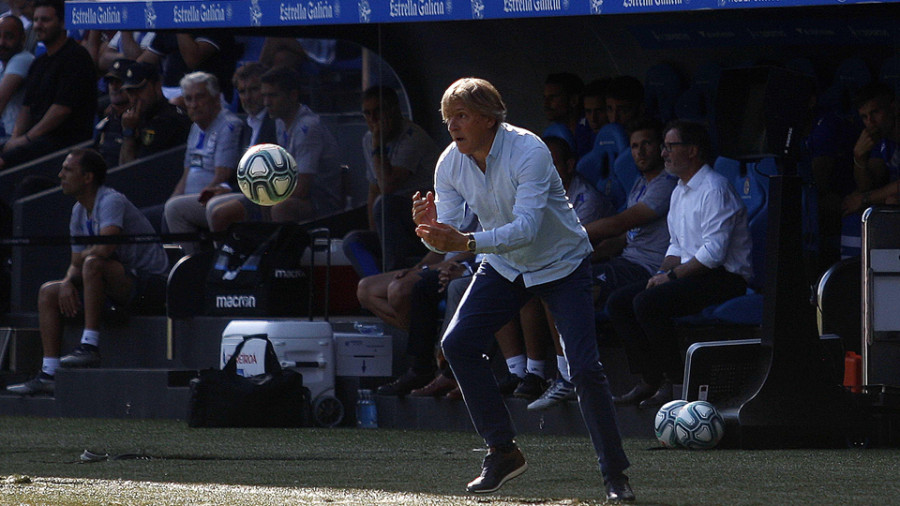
(707, 262)
(533, 245)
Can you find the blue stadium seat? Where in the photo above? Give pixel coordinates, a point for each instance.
(662, 87)
(851, 236)
(626, 172)
(890, 73)
(557, 129)
(728, 167)
(851, 75)
(697, 102)
(597, 166)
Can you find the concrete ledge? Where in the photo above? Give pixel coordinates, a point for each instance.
(123, 393)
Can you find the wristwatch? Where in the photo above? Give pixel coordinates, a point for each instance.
(470, 244)
(128, 133)
(671, 274)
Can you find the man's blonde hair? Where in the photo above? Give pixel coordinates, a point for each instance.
(476, 94)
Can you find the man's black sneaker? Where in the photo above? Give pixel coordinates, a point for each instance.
(618, 490)
(41, 384)
(406, 383)
(85, 355)
(498, 468)
(531, 387)
(508, 384)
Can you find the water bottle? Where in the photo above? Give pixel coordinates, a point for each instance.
(366, 411)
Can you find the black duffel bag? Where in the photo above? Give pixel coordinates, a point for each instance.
(223, 398)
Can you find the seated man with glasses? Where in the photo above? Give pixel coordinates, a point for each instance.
(707, 262)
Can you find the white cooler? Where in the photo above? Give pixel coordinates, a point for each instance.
(305, 346)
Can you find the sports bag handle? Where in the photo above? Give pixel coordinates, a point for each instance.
(272, 364)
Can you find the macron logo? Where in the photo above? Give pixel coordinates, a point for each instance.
(235, 301)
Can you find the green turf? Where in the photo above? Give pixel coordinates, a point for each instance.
(355, 466)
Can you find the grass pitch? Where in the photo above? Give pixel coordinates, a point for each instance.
(152, 462)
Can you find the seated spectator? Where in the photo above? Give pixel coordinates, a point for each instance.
(108, 136)
(179, 54)
(562, 106)
(259, 128)
(624, 100)
(387, 294)
(876, 157)
(150, 125)
(630, 245)
(589, 205)
(15, 64)
(24, 10)
(400, 159)
(509, 339)
(300, 131)
(60, 93)
(593, 100)
(423, 317)
(283, 52)
(100, 271)
(588, 202)
(210, 159)
(707, 262)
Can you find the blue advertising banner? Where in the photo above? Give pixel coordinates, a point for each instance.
(181, 14)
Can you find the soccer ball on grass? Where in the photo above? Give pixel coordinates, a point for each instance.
(664, 424)
(699, 426)
(267, 174)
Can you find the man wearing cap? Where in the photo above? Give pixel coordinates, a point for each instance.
(108, 131)
(16, 62)
(150, 124)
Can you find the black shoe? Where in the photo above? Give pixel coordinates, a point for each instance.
(660, 397)
(406, 383)
(618, 490)
(640, 392)
(508, 384)
(85, 355)
(498, 468)
(531, 387)
(41, 384)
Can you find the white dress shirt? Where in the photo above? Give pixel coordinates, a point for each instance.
(708, 221)
(529, 227)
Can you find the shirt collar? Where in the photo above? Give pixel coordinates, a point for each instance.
(698, 178)
(497, 145)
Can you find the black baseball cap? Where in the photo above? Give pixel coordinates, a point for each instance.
(139, 74)
(118, 68)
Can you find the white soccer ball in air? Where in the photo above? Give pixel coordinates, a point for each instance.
(267, 174)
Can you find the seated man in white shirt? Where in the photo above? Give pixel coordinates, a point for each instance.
(707, 262)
